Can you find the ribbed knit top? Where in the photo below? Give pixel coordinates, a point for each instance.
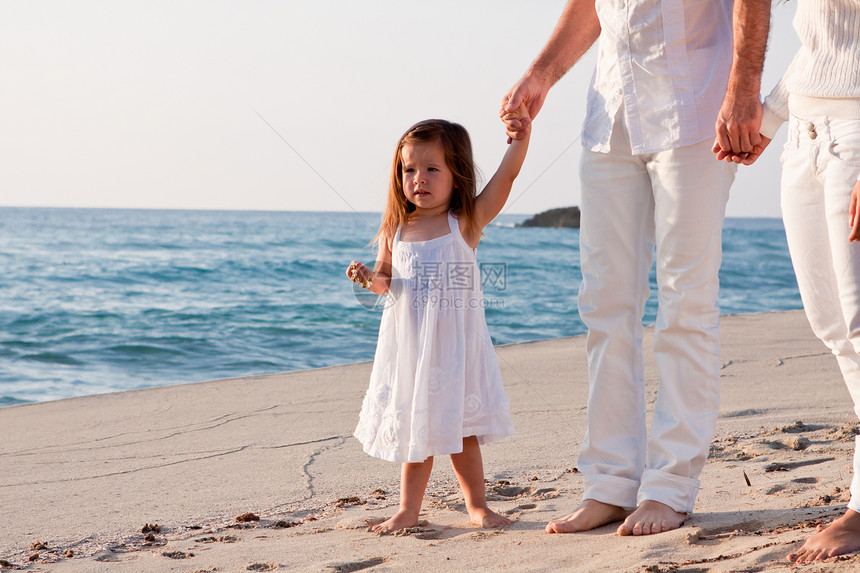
(824, 76)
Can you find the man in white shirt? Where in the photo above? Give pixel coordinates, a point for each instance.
(667, 72)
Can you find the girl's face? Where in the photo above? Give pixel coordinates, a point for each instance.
(427, 181)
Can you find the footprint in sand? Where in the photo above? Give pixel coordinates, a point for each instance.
(505, 492)
(351, 566)
(523, 507)
(262, 567)
(177, 555)
(717, 535)
(108, 556)
(838, 496)
(788, 466)
(222, 539)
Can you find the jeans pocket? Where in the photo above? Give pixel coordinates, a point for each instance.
(789, 150)
(792, 141)
(845, 140)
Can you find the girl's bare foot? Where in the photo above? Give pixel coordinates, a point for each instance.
(652, 517)
(486, 517)
(400, 520)
(840, 537)
(589, 515)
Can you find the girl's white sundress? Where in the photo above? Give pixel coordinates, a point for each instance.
(435, 377)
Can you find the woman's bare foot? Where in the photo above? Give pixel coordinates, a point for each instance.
(840, 537)
(400, 520)
(486, 517)
(652, 517)
(589, 515)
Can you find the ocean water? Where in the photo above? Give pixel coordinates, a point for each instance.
(99, 300)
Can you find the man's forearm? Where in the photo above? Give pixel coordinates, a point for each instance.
(751, 23)
(575, 32)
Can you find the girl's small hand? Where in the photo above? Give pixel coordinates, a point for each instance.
(854, 214)
(360, 274)
(518, 118)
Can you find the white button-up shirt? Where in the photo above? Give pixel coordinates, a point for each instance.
(667, 63)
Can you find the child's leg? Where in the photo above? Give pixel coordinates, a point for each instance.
(413, 482)
(470, 472)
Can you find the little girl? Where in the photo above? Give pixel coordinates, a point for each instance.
(435, 387)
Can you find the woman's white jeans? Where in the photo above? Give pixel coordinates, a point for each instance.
(675, 201)
(821, 162)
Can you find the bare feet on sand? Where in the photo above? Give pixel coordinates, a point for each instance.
(840, 537)
(486, 517)
(589, 515)
(483, 516)
(651, 517)
(400, 520)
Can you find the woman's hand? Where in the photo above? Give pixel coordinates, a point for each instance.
(854, 214)
(744, 158)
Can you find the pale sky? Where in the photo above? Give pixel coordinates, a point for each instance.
(154, 104)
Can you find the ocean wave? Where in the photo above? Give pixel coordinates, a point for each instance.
(53, 358)
(12, 401)
(142, 350)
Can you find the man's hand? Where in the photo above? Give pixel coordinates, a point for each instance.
(738, 124)
(519, 117)
(744, 158)
(529, 92)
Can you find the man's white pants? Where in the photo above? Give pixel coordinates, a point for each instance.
(674, 200)
(821, 162)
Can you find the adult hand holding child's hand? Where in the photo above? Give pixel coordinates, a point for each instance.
(519, 117)
(520, 106)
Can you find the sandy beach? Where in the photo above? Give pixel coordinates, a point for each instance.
(83, 478)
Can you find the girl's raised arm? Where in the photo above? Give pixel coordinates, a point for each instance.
(494, 196)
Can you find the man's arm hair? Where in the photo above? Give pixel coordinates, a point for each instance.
(750, 26)
(576, 31)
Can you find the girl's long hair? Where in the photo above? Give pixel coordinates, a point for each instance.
(458, 156)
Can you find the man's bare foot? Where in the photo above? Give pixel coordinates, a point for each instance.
(652, 517)
(486, 517)
(400, 520)
(840, 537)
(589, 515)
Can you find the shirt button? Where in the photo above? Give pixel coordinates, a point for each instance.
(810, 127)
